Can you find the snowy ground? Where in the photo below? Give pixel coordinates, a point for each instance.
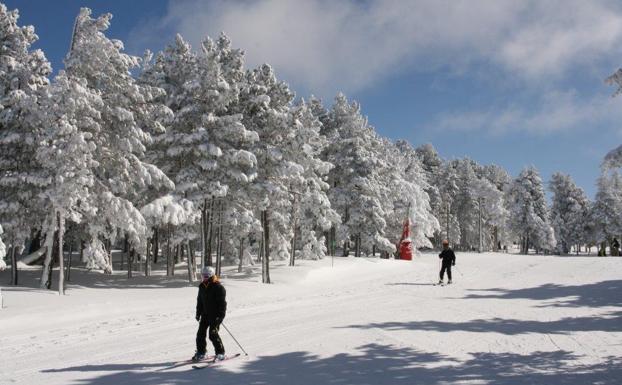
(509, 319)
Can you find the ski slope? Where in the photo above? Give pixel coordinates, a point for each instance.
(508, 319)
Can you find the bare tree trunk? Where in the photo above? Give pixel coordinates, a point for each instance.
(81, 251)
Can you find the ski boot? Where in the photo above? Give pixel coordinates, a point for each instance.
(198, 357)
(219, 357)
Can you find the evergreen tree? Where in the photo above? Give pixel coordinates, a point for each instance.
(529, 218)
(23, 81)
(606, 210)
(128, 119)
(569, 212)
(356, 193)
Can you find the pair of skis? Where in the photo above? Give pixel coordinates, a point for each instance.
(202, 364)
(212, 361)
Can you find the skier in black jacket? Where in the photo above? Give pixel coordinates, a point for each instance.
(449, 260)
(211, 310)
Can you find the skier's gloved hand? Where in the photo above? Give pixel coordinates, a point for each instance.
(453, 263)
(198, 317)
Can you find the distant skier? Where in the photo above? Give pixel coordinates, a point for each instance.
(449, 259)
(211, 310)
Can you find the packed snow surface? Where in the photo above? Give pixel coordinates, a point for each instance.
(507, 319)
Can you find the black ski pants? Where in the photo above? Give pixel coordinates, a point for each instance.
(214, 328)
(445, 266)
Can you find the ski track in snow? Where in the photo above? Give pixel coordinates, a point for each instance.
(507, 319)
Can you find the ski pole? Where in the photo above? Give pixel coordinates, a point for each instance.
(236, 341)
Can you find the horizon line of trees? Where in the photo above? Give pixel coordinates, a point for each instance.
(188, 151)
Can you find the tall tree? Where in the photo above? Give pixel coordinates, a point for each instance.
(607, 208)
(569, 212)
(265, 106)
(205, 149)
(23, 80)
(529, 218)
(129, 116)
(71, 114)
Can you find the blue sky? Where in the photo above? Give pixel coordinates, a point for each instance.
(510, 83)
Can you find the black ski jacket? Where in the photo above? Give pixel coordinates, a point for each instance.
(211, 302)
(448, 256)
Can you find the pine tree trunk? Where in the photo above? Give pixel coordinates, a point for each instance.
(266, 257)
(130, 262)
(69, 260)
(81, 251)
(168, 251)
(126, 252)
(203, 230)
(292, 257)
(190, 264)
(13, 264)
(358, 245)
(148, 257)
(210, 231)
(45, 273)
(61, 256)
(241, 255)
(219, 238)
(156, 245)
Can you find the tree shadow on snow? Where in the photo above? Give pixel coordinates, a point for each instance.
(608, 322)
(373, 364)
(605, 293)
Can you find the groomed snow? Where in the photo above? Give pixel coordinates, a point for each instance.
(508, 319)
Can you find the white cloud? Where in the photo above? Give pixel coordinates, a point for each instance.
(325, 45)
(555, 112)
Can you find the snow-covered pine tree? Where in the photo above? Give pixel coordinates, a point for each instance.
(466, 204)
(569, 212)
(311, 209)
(491, 213)
(448, 189)
(432, 166)
(23, 79)
(356, 193)
(71, 116)
(529, 217)
(411, 189)
(205, 149)
(265, 106)
(605, 213)
(129, 116)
